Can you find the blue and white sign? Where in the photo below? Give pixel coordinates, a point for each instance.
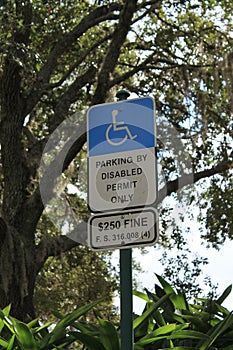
(121, 155)
(121, 126)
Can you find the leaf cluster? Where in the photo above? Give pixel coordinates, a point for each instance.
(217, 205)
(168, 321)
(73, 279)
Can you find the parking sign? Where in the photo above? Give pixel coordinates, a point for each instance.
(121, 155)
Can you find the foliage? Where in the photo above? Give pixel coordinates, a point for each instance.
(169, 321)
(65, 282)
(32, 336)
(176, 323)
(216, 207)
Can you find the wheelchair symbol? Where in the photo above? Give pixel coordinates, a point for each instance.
(118, 126)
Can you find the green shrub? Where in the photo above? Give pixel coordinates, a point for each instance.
(167, 322)
(170, 322)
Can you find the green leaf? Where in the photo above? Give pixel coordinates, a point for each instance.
(57, 336)
(216, 331)
(6, 310)
(11, 342)
(154, 306)
(138, 347)
(166, 286)
(2, 324)
(153, 336)
(33, 323)
(108, 335)
(3, 313)
(59, 333)
(44, 326)
(158, 317)
(9, 323)
(179, 348)
(90, 329)
(188, 334)
(141, 295)
(177, 332)
(196, 321)
(224, 295)
(3, 343)
(89, 341)
(70, 318)
(24, 336)
(58, 314)
(179, 301)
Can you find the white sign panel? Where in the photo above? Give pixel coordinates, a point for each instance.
(121, 155)
(122, 180)
(123, 230)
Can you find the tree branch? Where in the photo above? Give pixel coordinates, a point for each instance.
(94, 18)
(154, 4)
(113, 52)
(34, 202)
(41, 85)
(118, 38)
(24, 12)
(70, 96)
(79, 61)
(218, 169)
(179, 183)
(130, 73)
(54, 246)
(61, 110)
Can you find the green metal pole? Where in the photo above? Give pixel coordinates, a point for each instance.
(126, 304)
(126, 299)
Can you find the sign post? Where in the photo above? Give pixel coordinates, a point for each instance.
(126, 286)
(122, 180)
(127, 336)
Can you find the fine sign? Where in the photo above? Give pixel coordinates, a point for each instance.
(123, 230)
(121, 155)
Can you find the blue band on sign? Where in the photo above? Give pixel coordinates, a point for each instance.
(121, 126)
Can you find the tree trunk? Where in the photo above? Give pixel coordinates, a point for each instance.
(17, 275)
(17, 249)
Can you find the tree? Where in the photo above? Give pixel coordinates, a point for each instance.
(58, 58)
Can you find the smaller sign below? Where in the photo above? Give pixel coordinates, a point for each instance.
(133, 228)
